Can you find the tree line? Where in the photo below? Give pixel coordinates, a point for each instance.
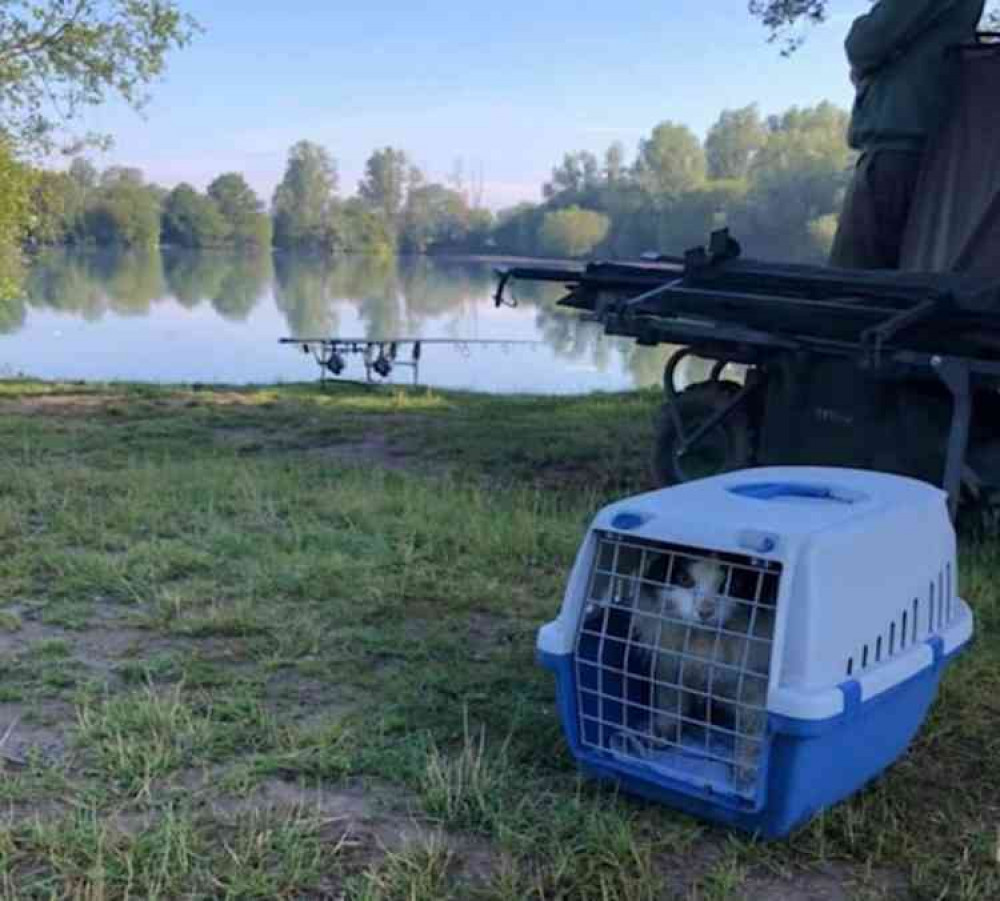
(777, 182)
(394, 209)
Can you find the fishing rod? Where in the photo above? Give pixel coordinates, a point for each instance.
(381, 355)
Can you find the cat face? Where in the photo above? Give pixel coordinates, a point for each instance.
(696, 596)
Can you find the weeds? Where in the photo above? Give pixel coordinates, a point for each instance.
(227, 603)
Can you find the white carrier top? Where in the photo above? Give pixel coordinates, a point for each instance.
(868, 562)
(789, 504)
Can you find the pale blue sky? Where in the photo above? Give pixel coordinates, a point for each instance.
(506, 86)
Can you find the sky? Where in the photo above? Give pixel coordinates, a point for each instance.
(506, 87)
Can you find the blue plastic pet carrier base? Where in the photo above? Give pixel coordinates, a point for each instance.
(843, 581)
(811, 765)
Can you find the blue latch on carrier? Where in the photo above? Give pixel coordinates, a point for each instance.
(755, 647)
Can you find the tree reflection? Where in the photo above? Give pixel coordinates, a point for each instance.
(302, 293)
(13, 314)
(64, 281)
(91, 283)
(435, 288)
(371, 284)
(232, 282)
(391, 298)
(193, 277)
(245, 283)
(132, 279)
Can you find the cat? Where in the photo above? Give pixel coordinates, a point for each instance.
(680, 625)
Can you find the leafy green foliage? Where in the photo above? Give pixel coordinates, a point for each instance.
(249, 225)
(734, 141)
(58, 57)
(356, 228)
(125, 211)
(304, 200)
(671, 161)
(191, 219)
(14, 204)
(388, 180)
(777, 183)
(572, 232)
(578, 172)
(797, 178)
(784, 18)
(436, 216)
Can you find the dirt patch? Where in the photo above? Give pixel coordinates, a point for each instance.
(41, 729)
(368, 449)
(348, 804)
(488, 631)
(311, 703)
(59, 404)
(372, 450)
(831, 883)
(375, 816)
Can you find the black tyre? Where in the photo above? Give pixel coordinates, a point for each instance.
(725, 448)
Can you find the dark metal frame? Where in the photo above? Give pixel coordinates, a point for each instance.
(909, 326)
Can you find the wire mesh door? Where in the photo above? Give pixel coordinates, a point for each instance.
(673, 660)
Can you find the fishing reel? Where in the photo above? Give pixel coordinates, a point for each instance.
(335, 362)
(384, 362)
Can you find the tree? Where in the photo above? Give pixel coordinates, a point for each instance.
(517, 228)
(242, 210)
(670, 161)
(434, 216)
(572, 232)
(388, 179)
(84, 174)
(121, 175)
(614, 163)
(733, 141)
(688, 220)
(58, 57)
(234, 197)
(54, 207)
(578, 173)
(796, 178)
(191, 219)
(356, 228)
(304, 199)
(781, 17)
(15, 199)
(124, 213)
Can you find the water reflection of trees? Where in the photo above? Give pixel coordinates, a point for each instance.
(302, 294)
(571, 338)
(92, 283)
(233, 283)
(13, 314)
(391, 298)
(397, 298)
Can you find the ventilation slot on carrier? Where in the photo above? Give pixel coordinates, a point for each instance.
(896, 631)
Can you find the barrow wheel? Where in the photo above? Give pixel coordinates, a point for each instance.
(727, 447)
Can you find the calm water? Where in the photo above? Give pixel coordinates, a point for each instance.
(209, 317)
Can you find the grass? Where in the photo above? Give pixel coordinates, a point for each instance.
(278, 643)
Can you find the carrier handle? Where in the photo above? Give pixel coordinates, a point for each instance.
(776, 491)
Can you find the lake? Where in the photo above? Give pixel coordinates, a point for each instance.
(182, 316)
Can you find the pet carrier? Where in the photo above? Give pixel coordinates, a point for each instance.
(754, 647)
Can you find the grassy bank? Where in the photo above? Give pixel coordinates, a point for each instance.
(278, 643)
